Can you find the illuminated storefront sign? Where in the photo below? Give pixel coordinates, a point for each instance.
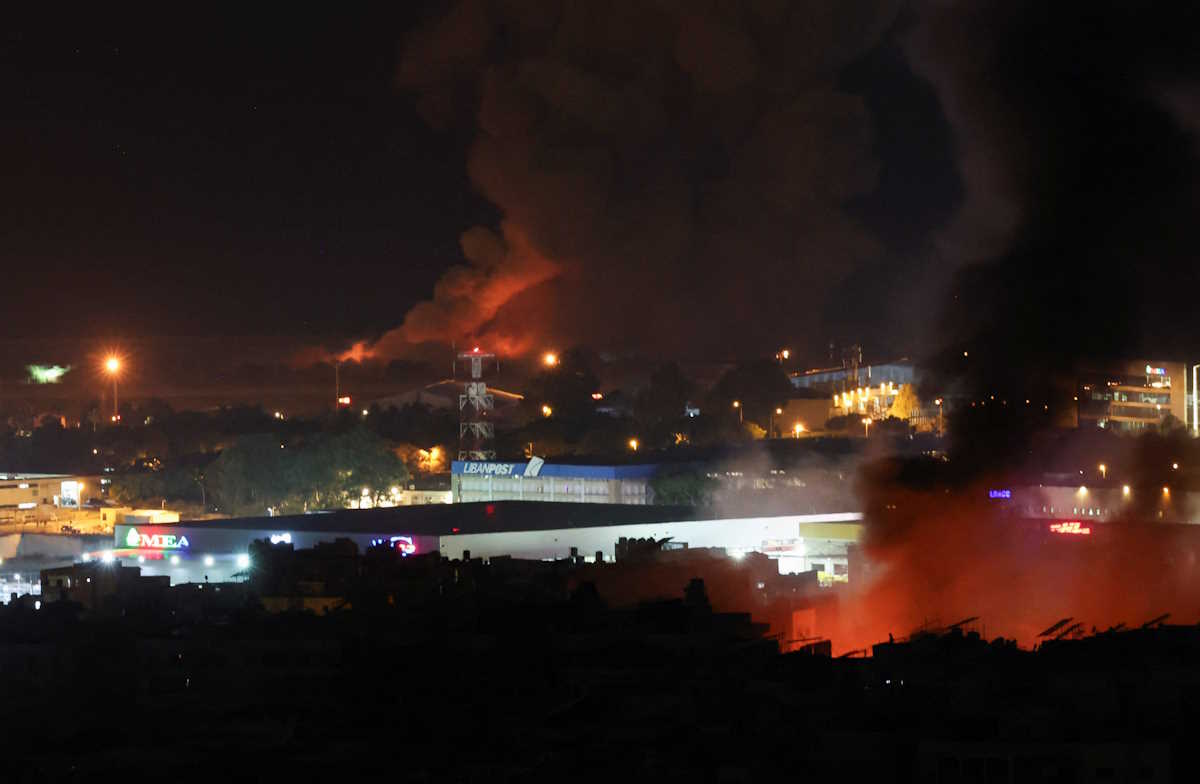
(155, 541)
(402, 543)
(999, 493)
(283, 538)
(1073, 527)
(1153, 371)
(492, 469)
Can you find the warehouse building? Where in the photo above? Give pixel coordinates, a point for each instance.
(536, 480)
(218, 550)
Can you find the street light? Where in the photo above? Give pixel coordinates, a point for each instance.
(866, 427)
(113, 366)
(738, 405)
(771, 424)
(546, 410)
(633, 444)
(550, 359)
(797, 429)
(1103, 471)
(1195, 401)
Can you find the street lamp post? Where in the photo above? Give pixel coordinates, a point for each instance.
(738, 405)
(771, 431)
(866, 427)
(113, 366)
(1195, 402)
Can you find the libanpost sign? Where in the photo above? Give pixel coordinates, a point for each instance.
(494, 468)
(146, 541)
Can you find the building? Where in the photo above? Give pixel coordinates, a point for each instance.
(537, 480)
(92, 584)
(1133, 395)
(219, 550)
(115, 515)
(26, 496)
(826, 381)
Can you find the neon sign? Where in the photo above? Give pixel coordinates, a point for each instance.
(999, 493)
(402, 543)
(156, 541)
(1074, 527)
(1155, 371)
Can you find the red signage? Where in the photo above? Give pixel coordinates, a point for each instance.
(1073, 527)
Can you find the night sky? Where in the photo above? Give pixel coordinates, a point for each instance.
(245, 175)
(709, 181)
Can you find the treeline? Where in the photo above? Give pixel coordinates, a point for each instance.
(260, 474)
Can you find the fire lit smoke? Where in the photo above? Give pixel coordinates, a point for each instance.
(652, 161)
(934, 558)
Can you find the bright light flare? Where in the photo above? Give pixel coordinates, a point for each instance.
(547, 411)
(112, 365)
(550, 359)
(633, 444)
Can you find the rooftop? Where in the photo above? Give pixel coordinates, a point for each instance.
(468, 518)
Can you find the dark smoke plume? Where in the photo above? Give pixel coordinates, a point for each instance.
(1076, 131)
(668, 172)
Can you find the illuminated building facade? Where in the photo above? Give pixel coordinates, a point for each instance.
(25, 495)
(1133, 396)
(536, 480)
(843, 379)
(220, 550)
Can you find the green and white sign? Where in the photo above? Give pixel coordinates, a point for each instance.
(155, 541)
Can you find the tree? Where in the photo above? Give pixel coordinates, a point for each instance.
(683, 487)
(906, 405)
(663, 399)
(566, 388)
(758, 387)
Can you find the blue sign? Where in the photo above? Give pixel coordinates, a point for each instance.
(999, 493)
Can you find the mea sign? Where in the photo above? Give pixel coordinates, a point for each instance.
(155, 541)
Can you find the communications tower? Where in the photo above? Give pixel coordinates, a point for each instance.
(476, 432)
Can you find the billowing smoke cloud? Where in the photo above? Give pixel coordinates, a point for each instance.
(1075, 130)
(668, 172)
